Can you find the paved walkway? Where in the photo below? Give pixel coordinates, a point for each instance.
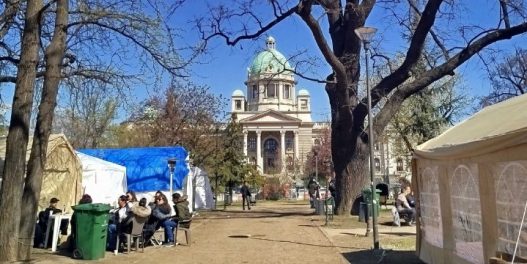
(270, 233)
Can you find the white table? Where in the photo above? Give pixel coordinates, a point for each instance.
(56, 228)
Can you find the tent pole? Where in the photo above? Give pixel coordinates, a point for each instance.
(519, 233)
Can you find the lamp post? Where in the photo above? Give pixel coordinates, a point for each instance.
(366, 34)
(316, 174)
(171, 167)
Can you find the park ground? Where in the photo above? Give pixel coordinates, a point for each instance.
(272, 232)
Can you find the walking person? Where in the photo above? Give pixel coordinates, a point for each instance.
(246, 195)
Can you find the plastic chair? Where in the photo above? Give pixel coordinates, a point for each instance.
(183, 225)
(136, 234)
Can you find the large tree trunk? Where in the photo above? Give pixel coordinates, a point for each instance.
(17, 138)
(37, 160)
(351, 169)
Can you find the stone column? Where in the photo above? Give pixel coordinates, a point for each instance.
(245, 132)
(259, 160)
(282, 149)
(297, 155)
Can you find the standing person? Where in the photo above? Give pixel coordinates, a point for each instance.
(246, 195)
(313, 191)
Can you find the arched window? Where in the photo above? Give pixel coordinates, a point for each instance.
(377, 163)
(270, 145)
(400, 164)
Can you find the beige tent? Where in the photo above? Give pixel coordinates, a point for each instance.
(471, 184)
(62, 174)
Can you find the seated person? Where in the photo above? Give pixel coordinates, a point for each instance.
(182, 213)
(402, 205)
(162, 212)
(141, 210)
(43, 219)
(86, 199)
(411, 200)
(116, 219)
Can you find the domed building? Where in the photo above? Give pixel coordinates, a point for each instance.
(277, 125)
(276, 120)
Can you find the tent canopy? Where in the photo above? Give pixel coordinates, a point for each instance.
(62, 173)
(104, 181)
(496, 127)
(470, 182)
(147, 168)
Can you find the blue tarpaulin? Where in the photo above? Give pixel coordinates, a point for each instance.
(147, 168)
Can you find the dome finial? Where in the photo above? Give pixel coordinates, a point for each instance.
(270, 43)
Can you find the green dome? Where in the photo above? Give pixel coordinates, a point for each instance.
(269, 60)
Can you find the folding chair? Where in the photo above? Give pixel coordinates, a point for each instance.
(149, 231)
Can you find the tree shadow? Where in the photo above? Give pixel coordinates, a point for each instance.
(398, 233)
(300, 243)
(382, 256)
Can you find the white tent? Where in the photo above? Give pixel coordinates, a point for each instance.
(204, 196)
(104, 181)
(471, 184)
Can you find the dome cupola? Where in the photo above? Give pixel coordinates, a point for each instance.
(270, 60)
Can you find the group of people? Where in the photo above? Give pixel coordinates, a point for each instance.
(158, 213)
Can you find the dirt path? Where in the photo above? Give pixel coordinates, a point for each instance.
(270, 233)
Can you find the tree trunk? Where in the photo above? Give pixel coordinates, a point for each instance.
(351, 172)
(37, 160)
(17, 138)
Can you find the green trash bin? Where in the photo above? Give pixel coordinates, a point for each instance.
(91, 230)
(366, 195)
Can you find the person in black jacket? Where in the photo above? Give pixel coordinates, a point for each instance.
(246, 195)
(43, 221)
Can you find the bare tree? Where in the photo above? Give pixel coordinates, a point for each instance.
(90, 40)
(17, 138)
(509, 78)
(341, 49)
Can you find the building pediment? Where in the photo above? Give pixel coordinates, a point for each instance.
(270, 116)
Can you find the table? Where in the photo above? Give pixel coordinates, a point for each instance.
(56, 219)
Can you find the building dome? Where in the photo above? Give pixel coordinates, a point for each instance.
(269, 60)
(303, 92)
(237, 93)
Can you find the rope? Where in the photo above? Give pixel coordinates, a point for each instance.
(519, 233)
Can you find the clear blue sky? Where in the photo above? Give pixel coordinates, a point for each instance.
(226, 70)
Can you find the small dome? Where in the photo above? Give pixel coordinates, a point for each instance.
(303, 92)
(270, 60)
(237, 93)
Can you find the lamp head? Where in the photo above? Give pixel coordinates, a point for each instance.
(365, 33)
(171, 164)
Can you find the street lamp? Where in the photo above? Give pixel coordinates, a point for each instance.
(171, 167)
(366, 34)
(316, 173)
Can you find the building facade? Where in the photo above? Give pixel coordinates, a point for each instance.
(275, 115)
(276, 119)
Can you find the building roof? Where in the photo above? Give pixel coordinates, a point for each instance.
(270, 60)
(496, 127)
